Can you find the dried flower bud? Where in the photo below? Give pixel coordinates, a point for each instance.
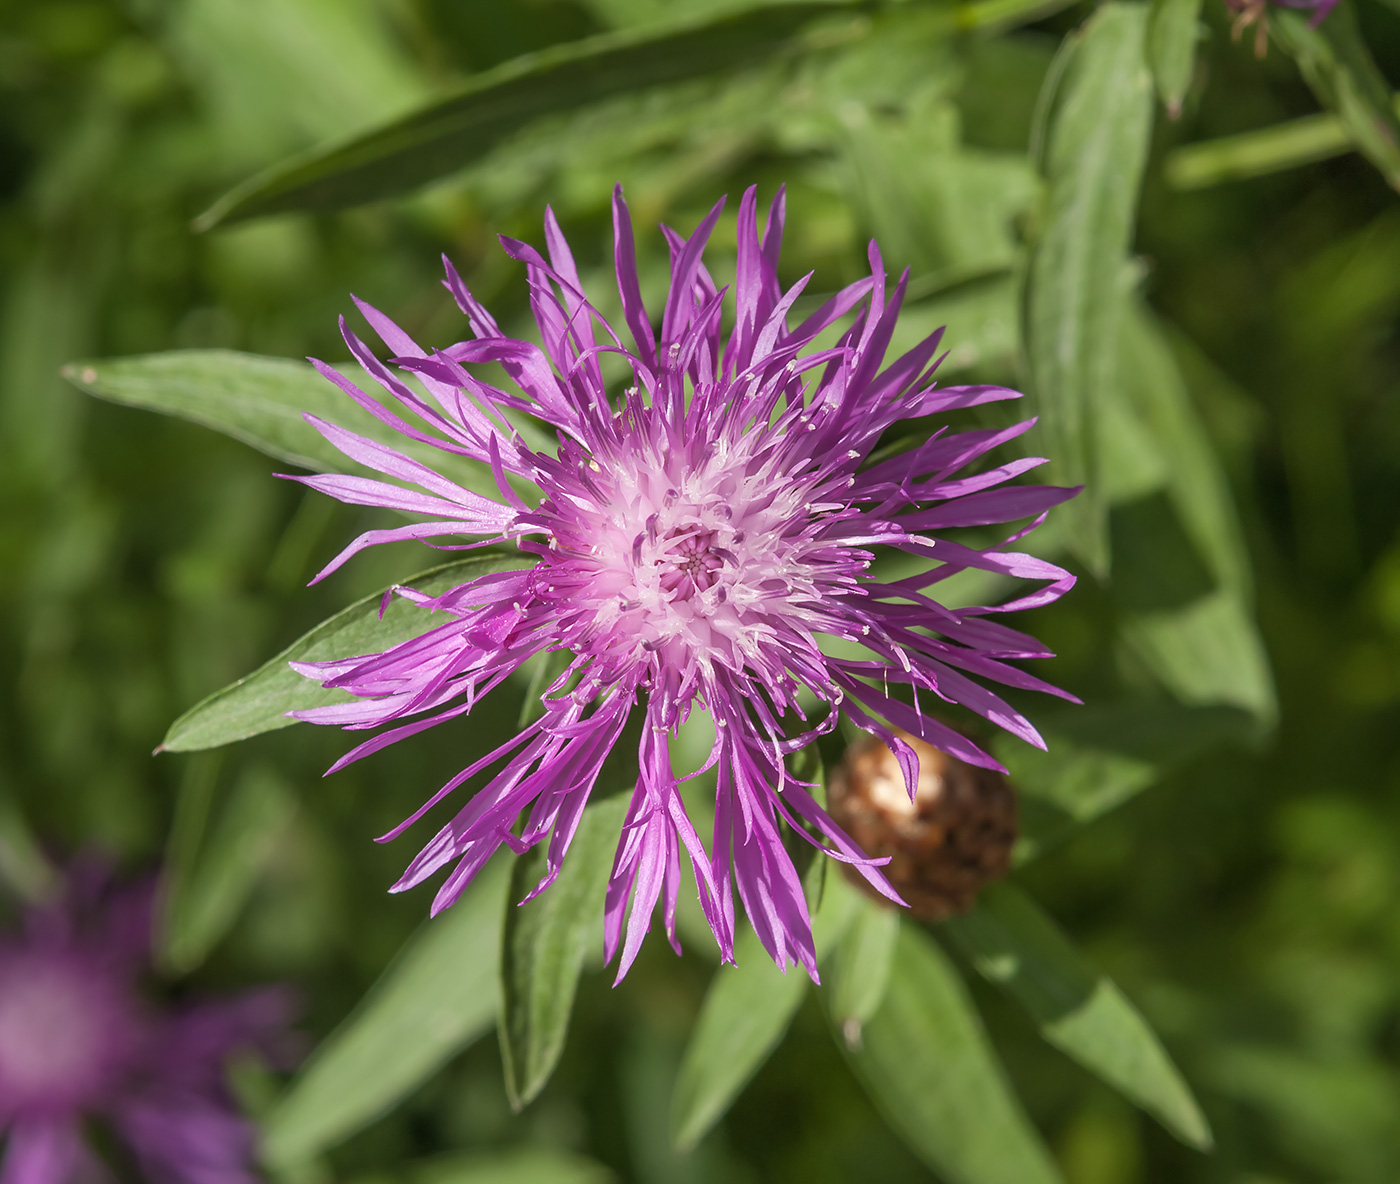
(953, 838)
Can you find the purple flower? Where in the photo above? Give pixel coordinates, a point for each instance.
(79, 1044)
(702, 538)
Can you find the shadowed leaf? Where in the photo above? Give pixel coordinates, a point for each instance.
(544, 944)
(203, 902)
(450, 133)
(860, 965)
(927, 1064)
(436, 998)
(746, 1012)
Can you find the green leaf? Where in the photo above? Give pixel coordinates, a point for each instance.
(520, 1165)
(1173, 29)
(1015, 945)
(262, 402)
(1336, 1111)
(437, 997)
(1099, 758)
(1207, 652)
(1201, 642)
(1195, 481)
(452, 132)
(1096, 147)
(1337, 66)
(259, 702)
(927, 1064)
(860, 966)
(543, 946)
(202, 904)
(746, 1012)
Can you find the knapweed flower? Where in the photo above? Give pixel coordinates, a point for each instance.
(701, 536)
(80, 1045)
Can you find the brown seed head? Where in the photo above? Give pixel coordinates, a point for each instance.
(953, 838)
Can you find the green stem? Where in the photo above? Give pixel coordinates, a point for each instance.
(1256, 154)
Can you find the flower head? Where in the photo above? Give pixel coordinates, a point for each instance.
(699, 536)
(79, 1044)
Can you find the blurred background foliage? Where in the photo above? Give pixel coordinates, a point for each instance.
(1247, 904)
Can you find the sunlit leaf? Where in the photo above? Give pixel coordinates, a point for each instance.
(1100, 122)
(927, 1064)
(932, 204)
(1207, 652)
(1014, 944)
(259, 702)
(260, 401)
(203, 902)
(1173, 29)
(437, 997)
(451, 132)
(544, 944)
(1336, 64)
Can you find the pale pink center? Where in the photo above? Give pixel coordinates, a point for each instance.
(682, 565)
(60, 1029)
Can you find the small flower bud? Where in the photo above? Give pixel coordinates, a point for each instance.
(946, 844)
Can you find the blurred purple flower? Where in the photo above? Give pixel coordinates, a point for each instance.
(703, 537)
(79, 1044)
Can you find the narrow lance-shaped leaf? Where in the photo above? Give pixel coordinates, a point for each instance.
(193, 802)
(262, 402)
(1339, 69)
(1013, 944)
(206, 901)
(259, 702)
(746, 1012)
(450, 133)
(860, 966)
(1096, 145)
(437, 997)
(1173, 29)
(544, 944)
(1203, 644)
(927, 1064)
